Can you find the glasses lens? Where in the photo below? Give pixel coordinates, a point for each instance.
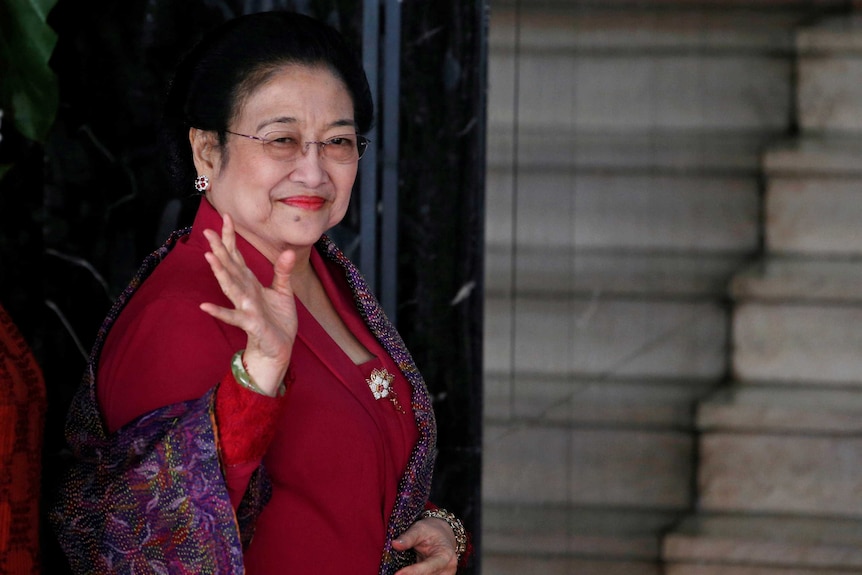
(343, 149)
(282, 145)
(362, 144)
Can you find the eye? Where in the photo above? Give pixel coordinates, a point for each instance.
(281, 139)
(341, 142)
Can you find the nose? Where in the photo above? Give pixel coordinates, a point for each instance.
(308, 168)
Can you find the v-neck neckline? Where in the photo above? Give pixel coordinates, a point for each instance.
(313, 335)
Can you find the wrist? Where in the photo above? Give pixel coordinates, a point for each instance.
(244, 378)
(454, 523)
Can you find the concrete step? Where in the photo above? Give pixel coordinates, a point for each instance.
(621, 211)
(777, 279)
(521, 564)
(782, 473)
(829, 99)
(560, 273)
(561, 539)
(731, 544)
(642, 69)
(562, 465)
(636, 404)
(824, 154)
(612, 338)
(813, 205)
(798, 321)
(563, 147)
(800, 344)
(692, 192)
(776, 409)
(773, 449)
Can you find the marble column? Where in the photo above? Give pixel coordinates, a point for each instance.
(442, 185)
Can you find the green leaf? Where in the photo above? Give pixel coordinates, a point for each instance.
(28, 91)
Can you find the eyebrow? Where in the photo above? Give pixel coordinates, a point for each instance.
(291, 120)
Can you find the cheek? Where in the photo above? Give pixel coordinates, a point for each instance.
(339, 209)
(346, 182)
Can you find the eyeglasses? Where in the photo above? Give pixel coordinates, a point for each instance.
(287, 146)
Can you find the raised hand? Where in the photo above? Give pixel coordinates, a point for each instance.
(266, 314)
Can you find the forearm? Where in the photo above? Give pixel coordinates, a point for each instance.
(245, 422)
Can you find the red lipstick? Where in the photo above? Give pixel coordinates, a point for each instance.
(311, 203)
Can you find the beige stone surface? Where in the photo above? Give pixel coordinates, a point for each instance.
(712, 569)
(511, 564)
(797, 344)
(822, 154)
(564, 147)
(637, 172)
(782, 409)
(574, 531)
(563, 273)
(643, 403)
(814, 216)
(803, 280)
(605, 336)
(756, 473)
(619, 211)
(835, 34)
(828, 94)
(635, 70)
(767, 542)
(829, 61)
(581, 466)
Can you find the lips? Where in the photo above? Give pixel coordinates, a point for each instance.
(305, 202)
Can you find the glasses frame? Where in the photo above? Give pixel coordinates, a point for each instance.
(361, 143)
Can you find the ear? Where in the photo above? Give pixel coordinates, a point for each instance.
(205, 151)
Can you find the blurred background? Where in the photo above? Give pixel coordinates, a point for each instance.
(672, 313)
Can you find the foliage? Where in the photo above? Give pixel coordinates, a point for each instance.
(29, 92)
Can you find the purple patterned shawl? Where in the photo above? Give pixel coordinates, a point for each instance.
(151, 497)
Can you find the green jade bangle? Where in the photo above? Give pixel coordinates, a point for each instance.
(242, 377)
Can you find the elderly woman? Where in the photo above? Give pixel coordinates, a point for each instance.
(248, 408)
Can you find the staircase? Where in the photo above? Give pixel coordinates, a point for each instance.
(780, 475)
(626, 150)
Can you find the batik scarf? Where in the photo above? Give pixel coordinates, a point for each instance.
(151, 497)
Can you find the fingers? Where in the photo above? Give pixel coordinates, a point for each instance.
(224, 246)
(228, 233)
(434, 549)
(283, 270)
(430, 565)
(266, 314)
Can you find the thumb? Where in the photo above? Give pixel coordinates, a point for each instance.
(406, 540)
(282, 271)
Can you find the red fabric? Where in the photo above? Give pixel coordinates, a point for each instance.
(22, 419)
(337, 456)
(246, 422)
(337, 453)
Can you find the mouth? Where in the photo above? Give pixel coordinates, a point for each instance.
(311, 203)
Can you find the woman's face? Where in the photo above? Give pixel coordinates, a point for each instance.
(279, 204)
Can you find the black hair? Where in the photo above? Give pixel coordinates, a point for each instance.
(232, 60)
